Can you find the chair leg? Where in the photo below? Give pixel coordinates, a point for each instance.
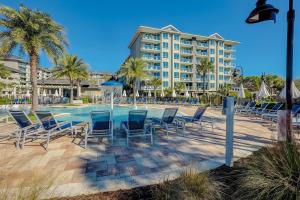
(85, 139)
(24, 138)
(18, 139)
(48, 139)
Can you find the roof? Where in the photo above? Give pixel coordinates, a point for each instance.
(173, 29)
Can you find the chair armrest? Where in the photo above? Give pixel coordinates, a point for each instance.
(29, 127)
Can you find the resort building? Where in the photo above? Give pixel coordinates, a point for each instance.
(18, 84)
(172, 56)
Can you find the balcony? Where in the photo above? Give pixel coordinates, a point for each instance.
(229, 64)
(152, 58)
(202, 45)
(186, 42)
(186, 60)
(228, 48)
(202, 54)
(186, 51)
(229, 57)
(186, 70)
(151, 38)
(150, 48)
(153, 68)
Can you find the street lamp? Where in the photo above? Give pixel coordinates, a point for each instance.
(264, 12)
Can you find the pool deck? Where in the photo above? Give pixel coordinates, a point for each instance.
(73, 170)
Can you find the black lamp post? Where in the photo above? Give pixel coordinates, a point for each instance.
(264, 12)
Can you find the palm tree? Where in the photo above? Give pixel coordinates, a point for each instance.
(133, 71)
(179, 87)
(156, 83)
(82, 75)
(204, 68)
(33, 32)
(4, 73)
(71, 67)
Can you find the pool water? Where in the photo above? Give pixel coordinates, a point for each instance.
(120, 113)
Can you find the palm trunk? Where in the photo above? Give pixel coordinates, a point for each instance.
(134, 95)
(33, 78)
(155, 93)
(204, 83)
(71, 92)
(78, 85)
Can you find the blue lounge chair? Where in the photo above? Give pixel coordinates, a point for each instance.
(27, 129)
(260, 110)
(136, 126)
(101, 126)
(272, 111)
(197, 118)
(273, 116)
(51, 126)
(167, 121)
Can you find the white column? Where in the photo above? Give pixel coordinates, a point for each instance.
(60, 91)
(15, 92)
(38, 91)
(79, 91)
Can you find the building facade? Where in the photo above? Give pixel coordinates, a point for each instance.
(172, 56)
(18, 84)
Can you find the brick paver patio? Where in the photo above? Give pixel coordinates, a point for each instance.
(74, 170)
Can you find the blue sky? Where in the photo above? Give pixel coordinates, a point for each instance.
(100, 31)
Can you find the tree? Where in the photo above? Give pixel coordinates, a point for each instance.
(71, 67)
(31, 32)
(83, 74)
(224, 89)
(156, 83)
(132, 72)
(4, 73)
(204, 68)
(179, 87)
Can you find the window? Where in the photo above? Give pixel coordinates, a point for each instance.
(212, 77)
(221, 69)
(165, 35)
(212, 85)
(220, 60)
(212, 51)
(165, 45)
(165, 54)
(212, 42)
(165, 74)
(221, 52)
(212, 59)
(176, 56)
(220, 77)
(176, 65)
(156, 74)
(165, 84)
(176, 37)
(221, 44)
(176, 75)
(176, 46)
(165, 64)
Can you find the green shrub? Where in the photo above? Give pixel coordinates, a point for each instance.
(189, 185)
(272, 173)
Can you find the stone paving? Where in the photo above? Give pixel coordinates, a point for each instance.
(73, 170)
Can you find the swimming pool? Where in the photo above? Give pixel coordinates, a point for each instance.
(120, 113)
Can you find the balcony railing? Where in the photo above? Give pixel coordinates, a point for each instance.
(186, 79)
(186, 70)
(151, 48)
(202, 53)
(186, 60)
(230, 48)
(153, 67)
(186, 51)
(200, 44)
(229, 56)
(186, 42)
(151, 37)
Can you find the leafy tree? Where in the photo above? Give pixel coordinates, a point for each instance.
(70, 67)
(224, 90)
(179, 87)
(33, 32)
(204, 68)
(156, 83)
(132, 72)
